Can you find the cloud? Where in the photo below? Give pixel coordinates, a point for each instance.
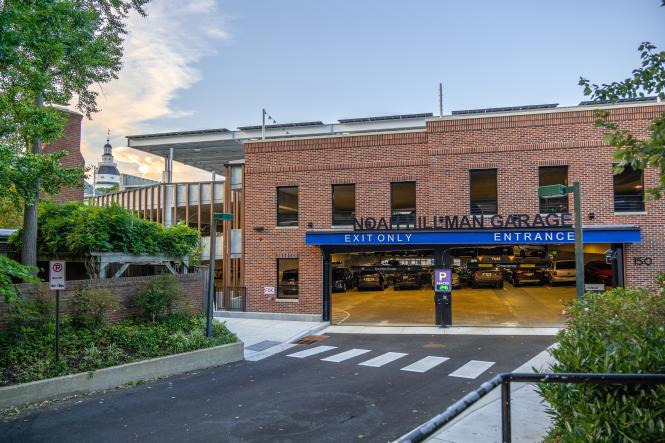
(161, 52)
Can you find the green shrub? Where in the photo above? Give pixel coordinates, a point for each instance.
(12, 272)
(160, 297)
(90, 307)
(26, 316)
(619, 331)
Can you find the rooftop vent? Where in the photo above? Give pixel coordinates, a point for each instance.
(385, 117)
(506, 109)
(281, 126)
(621, 100)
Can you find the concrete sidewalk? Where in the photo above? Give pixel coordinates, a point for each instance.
(481, 423)
(263, 338)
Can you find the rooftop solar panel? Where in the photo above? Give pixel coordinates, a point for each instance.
(505, 109)
(281, 125)
(168, 134)
(621, 100)
(385, 117)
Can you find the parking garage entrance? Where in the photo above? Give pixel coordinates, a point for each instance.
(498, 284)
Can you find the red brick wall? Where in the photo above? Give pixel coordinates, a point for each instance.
(125, 288)
(70, 142)
(438, 159)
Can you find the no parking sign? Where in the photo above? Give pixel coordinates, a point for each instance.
(56, 278)
(442, 278)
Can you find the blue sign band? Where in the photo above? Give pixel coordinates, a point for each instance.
(484, 237)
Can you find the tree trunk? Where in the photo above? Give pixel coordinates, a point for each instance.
(29, 247)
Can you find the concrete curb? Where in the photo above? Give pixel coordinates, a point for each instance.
(314, 330)
(107, 378)
(268, 316)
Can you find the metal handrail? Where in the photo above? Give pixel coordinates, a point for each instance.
(428, 428)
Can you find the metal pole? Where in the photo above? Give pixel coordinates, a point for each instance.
(57, 325)
(505, 411)
(579, 241)
(440, 99)
(211, 277)
(263, 124)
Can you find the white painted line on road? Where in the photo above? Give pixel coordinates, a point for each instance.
(269, 352)
(472, 369)
(311, 351)
(346, 355)
(425, 364)
(384, 359)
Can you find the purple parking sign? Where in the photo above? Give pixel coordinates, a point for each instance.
(442, 279)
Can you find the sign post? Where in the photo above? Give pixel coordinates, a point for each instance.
(443, 296)
(56, 281)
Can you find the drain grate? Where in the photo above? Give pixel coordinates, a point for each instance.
(310, 339)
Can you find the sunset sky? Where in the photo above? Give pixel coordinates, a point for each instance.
(211, 64)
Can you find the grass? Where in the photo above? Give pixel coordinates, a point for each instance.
(27, 351)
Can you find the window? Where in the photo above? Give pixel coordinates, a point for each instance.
(483, 191)
(629, 191)
(403, 203)
(553, 175)
(287, 278)
(343, 204)
(287, 206)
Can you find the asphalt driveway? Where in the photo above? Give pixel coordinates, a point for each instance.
(347, 387)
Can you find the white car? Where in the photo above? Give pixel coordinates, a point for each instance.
(561, 271)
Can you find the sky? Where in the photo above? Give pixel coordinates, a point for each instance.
(201, 64)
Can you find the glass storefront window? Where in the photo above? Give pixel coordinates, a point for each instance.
(403, 203)
(287, 206)
(343, 204)
(287, 278)
(629, 191)
(483, 184)
(553, 175)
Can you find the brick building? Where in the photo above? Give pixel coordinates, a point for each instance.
(70, 142)
(326, 206)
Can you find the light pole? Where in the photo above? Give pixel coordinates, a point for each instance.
(554, 191)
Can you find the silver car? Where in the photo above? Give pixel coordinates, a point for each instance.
(561, 271)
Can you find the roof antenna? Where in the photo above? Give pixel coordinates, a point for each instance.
(440, 99)
(263, 122)
(108, 134)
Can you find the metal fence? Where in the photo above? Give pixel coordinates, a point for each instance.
(429, 428)
(231, 298)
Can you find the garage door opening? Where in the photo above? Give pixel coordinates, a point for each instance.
(507, 285)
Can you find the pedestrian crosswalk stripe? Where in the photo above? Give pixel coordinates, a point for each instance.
(312, 351)
(472, 369)
(425, 364)
(384, 359)
(346, 355)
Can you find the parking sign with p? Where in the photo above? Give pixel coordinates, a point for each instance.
(442, 280)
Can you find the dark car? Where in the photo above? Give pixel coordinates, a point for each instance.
(409, 279)
(342, 279)
(487, 277)
(371, 280)
(526, 273)
(289, 283)
(598, 272)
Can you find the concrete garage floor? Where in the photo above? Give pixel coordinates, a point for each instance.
(522, 306)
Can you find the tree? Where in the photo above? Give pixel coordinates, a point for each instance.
(50, 52)
(648, 79)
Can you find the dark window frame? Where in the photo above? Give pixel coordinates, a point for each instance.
(280, 221)
(404, 219)
(342, 220)
(628, 203)
(279, 288)
(559, 205)
(496, 178)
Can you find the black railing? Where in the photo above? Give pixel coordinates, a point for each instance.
(231, 298)
(554, 205)
(287, 291)
(433, 425)
(628, 203)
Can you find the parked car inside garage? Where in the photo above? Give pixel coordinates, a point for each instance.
(408, 280)
(342, 279)
(598, 272)
(487, 277)
(527, 273)
(561, 271)
(374, 280)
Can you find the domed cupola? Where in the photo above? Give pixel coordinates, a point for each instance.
(107, 175)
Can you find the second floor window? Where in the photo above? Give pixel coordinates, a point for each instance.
(629, 190)
(553, 175)
(343, 204)
(287, 206)
(483, 186)
(403, 203)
